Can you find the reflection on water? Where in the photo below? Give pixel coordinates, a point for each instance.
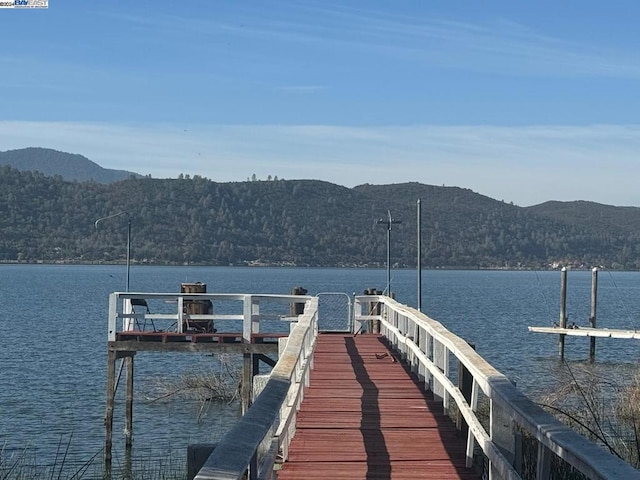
(53, 345)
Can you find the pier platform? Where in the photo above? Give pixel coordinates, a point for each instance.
(366, 416)
(349, 405)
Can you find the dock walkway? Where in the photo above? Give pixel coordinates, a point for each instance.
(365, 416)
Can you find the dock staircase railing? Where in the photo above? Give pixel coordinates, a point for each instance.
(267, 428)
(434, 354)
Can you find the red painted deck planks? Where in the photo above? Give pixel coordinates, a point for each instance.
(365, 417)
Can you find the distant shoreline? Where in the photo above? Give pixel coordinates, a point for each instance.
(277, 265)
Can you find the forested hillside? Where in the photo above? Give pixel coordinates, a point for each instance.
(301, 222)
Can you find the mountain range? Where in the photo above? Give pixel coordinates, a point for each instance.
(193, 220)
(69, 166)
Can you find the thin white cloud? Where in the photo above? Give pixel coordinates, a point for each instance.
(526, 165)
(501, 45)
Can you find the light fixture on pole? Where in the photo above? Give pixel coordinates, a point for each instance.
(128, 240)
(388, 222)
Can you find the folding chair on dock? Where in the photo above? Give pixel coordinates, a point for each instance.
(142, 304)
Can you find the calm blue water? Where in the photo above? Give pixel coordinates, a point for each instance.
(53, 343)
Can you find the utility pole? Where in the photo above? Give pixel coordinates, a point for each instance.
(419, 259)
(389, 221)
(128, 242)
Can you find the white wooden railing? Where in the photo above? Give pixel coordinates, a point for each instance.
(271, 419)
(434, 354)
(234, 312)
(262, 435)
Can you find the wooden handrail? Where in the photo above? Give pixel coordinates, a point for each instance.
(552, 435)
(428, 343)
(238, 448)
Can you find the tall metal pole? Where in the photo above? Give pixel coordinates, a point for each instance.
(592, 318)
(389, 260)
(128, 251)
(128, 241)
(419, 241)
(563, 309)
(388, 222)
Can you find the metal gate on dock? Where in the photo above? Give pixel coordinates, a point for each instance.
(335, 312)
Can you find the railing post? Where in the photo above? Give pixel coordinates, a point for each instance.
(414, 336)
(355, 313)
(253, 466)
(473, 403)
(543, 463)
(113, 317)
(502, 432)
(428, 351)
(127, 322)
(403, 326)
(439, 354)
(422, 369)
(247, 358)
(465, 384)
(180, 325)
(517, 463)
(446, 371)
(374, 308)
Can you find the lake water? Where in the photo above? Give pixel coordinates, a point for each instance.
(53, 324)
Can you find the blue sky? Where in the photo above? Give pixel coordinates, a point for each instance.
(520, 101)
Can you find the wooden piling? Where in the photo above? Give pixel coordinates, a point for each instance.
(247, 380)
(197, 307)
(297, 308)
(251, 368)
(592, 318)
(563, 309)
(108, 417)
(128, 427)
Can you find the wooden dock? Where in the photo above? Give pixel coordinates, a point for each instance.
(365, 416)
